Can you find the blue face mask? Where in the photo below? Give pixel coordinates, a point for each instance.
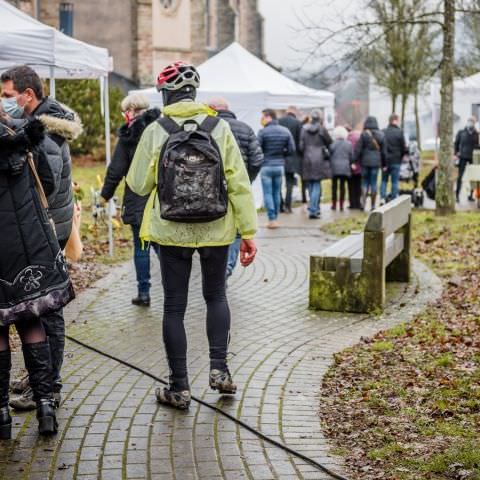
(12, 108)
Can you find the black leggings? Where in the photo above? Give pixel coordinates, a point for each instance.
(176, 265)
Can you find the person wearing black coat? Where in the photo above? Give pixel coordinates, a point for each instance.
(24, 98)
(292, 162)
(61, 126)
(244, 135)
(396, 148)
(137, 118)
(252, 156)
(33, 274)
(466, 142)
(370, 154)
(315, 142)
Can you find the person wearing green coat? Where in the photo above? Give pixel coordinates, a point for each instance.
(179, 240)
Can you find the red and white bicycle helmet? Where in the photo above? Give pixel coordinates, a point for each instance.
(178, 75)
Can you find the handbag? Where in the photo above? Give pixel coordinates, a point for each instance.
(325, 150)
(74, 246)
(40, 190)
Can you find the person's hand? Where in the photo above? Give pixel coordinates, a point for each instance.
(248, 250)
(385, 169)
(16, 162)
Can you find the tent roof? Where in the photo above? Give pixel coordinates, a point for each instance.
(25, 40)
(237, 74)
(235, 69)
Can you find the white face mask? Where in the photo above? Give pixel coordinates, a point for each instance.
(470, 125)
(12, 108)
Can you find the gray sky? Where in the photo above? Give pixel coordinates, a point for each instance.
(282, 25)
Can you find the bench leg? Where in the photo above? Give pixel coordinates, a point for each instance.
(344, 291)
(401, 268)
(373, 271)
(334, 291)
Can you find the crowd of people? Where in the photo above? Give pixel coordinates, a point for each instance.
(303, 151)
(189, 171)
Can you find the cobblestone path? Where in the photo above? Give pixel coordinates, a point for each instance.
(112, 428)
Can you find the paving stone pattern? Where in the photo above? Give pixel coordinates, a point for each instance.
(112, 428)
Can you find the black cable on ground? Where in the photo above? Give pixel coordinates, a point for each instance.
(244, 425)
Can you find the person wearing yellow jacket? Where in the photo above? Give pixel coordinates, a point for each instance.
(179, 240)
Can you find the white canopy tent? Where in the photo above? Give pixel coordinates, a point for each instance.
(26, 41)
(52, 54)
(250, 85)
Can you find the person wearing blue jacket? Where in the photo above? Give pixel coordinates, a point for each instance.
(277, 144)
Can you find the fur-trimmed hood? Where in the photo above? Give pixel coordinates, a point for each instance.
(59, 119)
(131, 134)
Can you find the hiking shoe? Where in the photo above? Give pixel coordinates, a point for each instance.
(180, 400)
(222, 381)
(19, 385)
(24, 401)
(141, 301)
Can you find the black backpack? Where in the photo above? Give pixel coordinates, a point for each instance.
(191, 180)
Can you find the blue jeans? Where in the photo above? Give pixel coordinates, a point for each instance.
(233, 252)
(370, 178)
(141, 258)
(393, 172)
(314, 194)
(272, 188)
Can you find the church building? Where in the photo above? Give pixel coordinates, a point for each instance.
(145, 35)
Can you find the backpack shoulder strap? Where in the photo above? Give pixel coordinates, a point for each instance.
(376, 145)
(169, 125)
(209, 124)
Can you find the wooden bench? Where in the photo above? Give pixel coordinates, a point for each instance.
(350, 275)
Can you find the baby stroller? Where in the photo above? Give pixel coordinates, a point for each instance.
(409, 173)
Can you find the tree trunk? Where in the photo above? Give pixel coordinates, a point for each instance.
(444, 198)
(404, 107)
(417, 121)
(394, 102)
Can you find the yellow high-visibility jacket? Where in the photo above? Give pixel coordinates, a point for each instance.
(143, 175)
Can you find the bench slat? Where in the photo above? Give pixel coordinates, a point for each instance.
(391, 216)
(393, 247)
(342, 249)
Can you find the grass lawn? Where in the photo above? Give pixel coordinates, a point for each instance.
(405, 404)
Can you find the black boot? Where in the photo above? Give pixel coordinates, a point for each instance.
(54, 325)
(38, 363)
(5, 419)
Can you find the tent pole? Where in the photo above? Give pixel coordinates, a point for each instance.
(106, 110)
(52, 82)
